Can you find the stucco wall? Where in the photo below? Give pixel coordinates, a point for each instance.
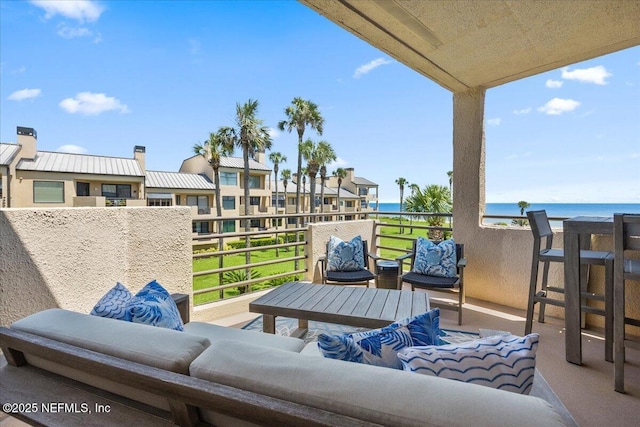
(319, 233)
(69, 257)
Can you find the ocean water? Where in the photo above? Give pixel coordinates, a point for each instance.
(553, 209)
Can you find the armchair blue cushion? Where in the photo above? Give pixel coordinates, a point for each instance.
(114, 303)
(345, 256)
(435, 259)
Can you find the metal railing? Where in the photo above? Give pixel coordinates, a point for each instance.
(220, 270)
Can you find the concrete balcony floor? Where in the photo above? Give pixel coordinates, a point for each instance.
(586, 391)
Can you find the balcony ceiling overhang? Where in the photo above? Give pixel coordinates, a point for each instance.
(467, 44)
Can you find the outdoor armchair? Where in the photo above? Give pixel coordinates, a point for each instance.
(363, 276)
(453, 284)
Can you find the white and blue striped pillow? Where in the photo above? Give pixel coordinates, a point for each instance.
(505, 362)
(380, 346)
(114, 303)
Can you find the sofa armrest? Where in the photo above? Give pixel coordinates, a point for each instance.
(182, 302)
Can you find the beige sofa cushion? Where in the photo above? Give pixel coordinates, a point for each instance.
(376, 394)
(215, 333)
(158, 347)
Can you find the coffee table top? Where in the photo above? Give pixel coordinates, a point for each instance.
(346, 305)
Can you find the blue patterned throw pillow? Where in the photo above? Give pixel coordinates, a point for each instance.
(435, 260)
(505, 362)
(114, 303)
(153, 305)
(345, 256)
(380, 347)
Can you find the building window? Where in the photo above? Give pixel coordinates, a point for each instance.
(158, 202)
(254, 181)
(202, 202)
(254, 201)
(228, 226)
(364, 204)
(255, 223)
(178, 200)
(48, 192)
(291, 220)
(363, 191)
(200, 227)
(228, 202)
(291, 201)
(228, 178)
(348, 204)
(82, 189)
(116, 191)
(280, 201)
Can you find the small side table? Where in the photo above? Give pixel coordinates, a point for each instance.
(387, 275)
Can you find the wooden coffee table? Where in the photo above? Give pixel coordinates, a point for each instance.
(344, 305)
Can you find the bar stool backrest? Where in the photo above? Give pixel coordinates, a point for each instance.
(540, 228)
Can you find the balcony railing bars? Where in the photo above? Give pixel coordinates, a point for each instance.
(392, 239)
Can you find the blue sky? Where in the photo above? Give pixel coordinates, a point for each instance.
(101, 77)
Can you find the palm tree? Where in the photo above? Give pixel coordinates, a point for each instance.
(521, 222)
(286, 177)
(401, 182)
(433, 199)
(300, 114)
(276, 158)
(316, 155)
(304, 172)
(450, 175)
(327, 155)
(251, 136)
(341, 174)
(213, 150)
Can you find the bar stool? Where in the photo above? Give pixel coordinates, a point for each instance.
(541, 228)
(626, 238)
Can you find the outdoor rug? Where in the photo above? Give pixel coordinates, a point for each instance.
(285, 326)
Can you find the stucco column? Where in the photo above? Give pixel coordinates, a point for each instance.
(468, 162)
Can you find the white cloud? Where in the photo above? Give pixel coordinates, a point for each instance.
(92, 104)
(522, 111)
(366, 68)
(554, 84)
(79, 10)
(274, 133)
(596, 75)
(557, 106)
(20, 70)
(74, 149)
(21, 95)
(68, 32)
(494, 122)
(337, 163)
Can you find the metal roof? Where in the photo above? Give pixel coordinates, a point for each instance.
(46, 161)
(486, 43)
(328, 191)
(357, 180)
(7, 152)
(178, 180)
(238, 163)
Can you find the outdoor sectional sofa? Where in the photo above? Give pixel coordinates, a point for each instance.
(227, 376)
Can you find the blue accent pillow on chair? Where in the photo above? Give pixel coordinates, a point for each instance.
(345, 256)
(505, 362)
(380, 347)
(154, 306)
(114, 303)
(435, 260)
